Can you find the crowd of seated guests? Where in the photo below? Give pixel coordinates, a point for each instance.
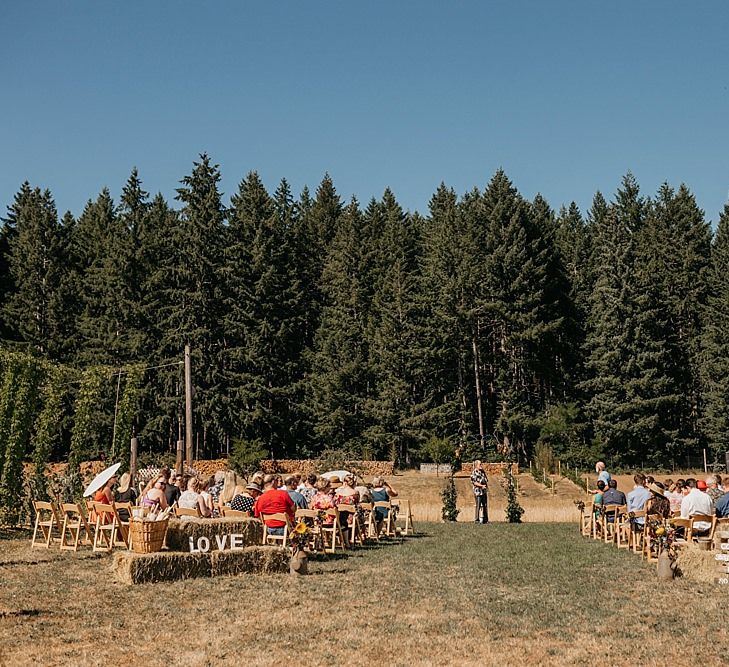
(683, 497)
(261, 495)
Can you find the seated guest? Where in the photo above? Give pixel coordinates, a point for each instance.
(658, 503)
(365, 493)
(245, 498)
(105, 495)
(381, 492)
(696, 502)
(192, 499)
(155, 496)
(612, 496)
(230, 483)
(291, 483)
(674, 493)
(714, 490)
(346, 493)
(323, 499)
(308, 488)
(217, 487)
(174, 488)
(597, 498)
(207, 496)
(274, 501)
(637, 498)
(125, 494)
(722, 506)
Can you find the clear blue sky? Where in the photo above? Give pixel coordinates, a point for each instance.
(565, 96)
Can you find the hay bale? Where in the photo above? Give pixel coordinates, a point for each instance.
(697, 565)
(131, 568)
(251, 560)
(179, 532)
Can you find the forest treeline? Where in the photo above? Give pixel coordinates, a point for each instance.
(318, 323)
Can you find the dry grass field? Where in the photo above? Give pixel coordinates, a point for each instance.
(423, 491)
(454, 594)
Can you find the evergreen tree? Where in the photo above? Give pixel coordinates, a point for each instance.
(105, 251)
(444, 408)
(34, 308)
(521, 317)
(341, 382)
(262, 317)
(715, 343)
(191, 300)
(162, 395)
(394, 330)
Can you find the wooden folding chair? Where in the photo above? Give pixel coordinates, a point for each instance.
(387, 528)
(333, 532)
(622, 529)
(695, 533)
(610, 516)
(587, 515)
(106, 527)
(678, 523)
(406, 515)
(46, 518)
(279, 516)
(187, 511)
(647, 551)
(355, 528)
(311, 519)
(235, 514)
(122, 527)
(74, 522)
(636, 531)
(370, 526)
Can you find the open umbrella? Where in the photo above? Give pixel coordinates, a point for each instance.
(102, 478)
(336, 473)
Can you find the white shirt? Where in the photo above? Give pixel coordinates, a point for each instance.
(697, 502)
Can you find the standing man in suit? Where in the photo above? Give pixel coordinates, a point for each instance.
(480, 483)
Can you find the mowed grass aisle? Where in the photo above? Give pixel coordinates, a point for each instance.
(457, 594)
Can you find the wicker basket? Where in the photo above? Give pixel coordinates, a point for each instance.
(147, 536)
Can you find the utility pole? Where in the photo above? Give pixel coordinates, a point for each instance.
(188, 408)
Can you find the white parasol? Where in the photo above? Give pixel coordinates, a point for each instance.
(336, 473)
(102, 478)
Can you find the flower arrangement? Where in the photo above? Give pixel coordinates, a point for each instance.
(299, 536)
(662, 536)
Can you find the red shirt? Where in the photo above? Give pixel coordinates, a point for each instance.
(274, 501)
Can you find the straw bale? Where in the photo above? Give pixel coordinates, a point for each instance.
(131, 568)
(258, 560)
(179, 532)
(698, 565)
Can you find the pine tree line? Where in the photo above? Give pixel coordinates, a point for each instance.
(315, 323)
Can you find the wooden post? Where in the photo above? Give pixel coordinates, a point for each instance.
(134, 447)
(188, 407)
(552, 486)
(178, 462)
(706, 467)
(559, 468)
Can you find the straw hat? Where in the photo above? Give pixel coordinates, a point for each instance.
(254, 487)
(656, 489)
(334, 480)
